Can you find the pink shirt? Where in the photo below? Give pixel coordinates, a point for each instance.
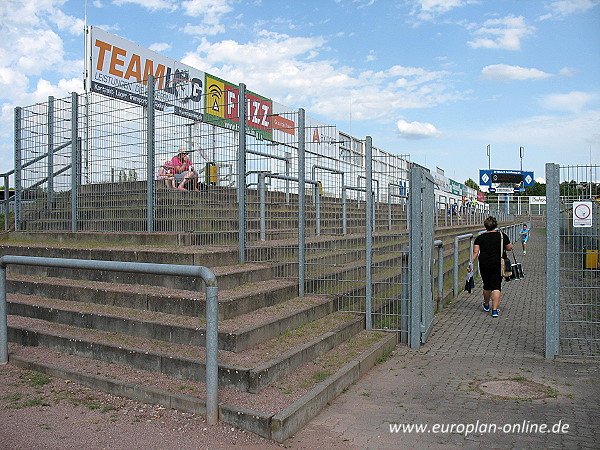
(181, 165)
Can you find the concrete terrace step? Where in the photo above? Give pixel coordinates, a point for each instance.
(235, 335)
(232, 302)
(277, 412)
(228, 277)
(249, 371)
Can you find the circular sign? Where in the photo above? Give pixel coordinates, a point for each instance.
(582, 211)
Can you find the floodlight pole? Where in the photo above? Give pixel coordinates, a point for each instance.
(521, 154)
(489, 153)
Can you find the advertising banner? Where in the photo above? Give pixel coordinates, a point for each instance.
(322, 139)
(285, 127)
(119, 68)
(442, 182)
(456, 187)
(537, 200)
(222, 103)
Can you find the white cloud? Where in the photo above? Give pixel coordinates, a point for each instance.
(152, 5)
(38, 50)
(505, 72)
(416, 130)
(505, 33)
(567, 72)
(430, 9)
(160, 47)
(28, 43)
(288, 69)
(65, 22)
(203, 29)
(197, 8)
(210, 13)
(562, 8)
(44, 89)
(573, 101)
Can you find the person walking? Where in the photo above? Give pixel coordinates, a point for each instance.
(486, 248)
(524, 233)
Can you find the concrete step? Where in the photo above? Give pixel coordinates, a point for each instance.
(249, 371)
(276, 412)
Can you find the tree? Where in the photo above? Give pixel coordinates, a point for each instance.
(470, 183)
(538, 189)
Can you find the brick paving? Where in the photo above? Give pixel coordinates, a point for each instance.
(438, 384)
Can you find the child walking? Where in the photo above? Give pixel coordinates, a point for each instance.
(524, 237)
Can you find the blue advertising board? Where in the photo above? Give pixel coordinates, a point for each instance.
(487, 177)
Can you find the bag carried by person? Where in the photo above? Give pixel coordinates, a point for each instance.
(517, 269)
(470, 282)
(505, 265)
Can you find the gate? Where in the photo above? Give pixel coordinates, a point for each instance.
(421, 200)
(573, 275)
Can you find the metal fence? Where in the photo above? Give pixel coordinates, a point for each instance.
(573, 275)
(332, 212)
(521, 205)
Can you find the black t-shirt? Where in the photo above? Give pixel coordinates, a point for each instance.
(489, 248)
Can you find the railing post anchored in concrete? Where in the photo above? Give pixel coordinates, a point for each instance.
(212, 307)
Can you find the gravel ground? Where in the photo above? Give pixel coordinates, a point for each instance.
(40, 412)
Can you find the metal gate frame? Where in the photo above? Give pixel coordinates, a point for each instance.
(421, 237)
(572, 302)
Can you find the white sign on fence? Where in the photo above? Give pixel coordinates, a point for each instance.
(582, 214)
(537, 200)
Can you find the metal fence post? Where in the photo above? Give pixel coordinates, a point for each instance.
(50, 154)
(212, 352)
(369, 234)
(414, 313)
(262, 206)
(150, 156)
(18, 169)
(344, 212)
(6, 201)
(317, 200)
(456, 257)
(301, 200)
(3, 321)
(74, 161)
(241, 169)
(440, 277)
(552, 259)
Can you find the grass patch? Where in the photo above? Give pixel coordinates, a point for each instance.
(38, 401)
(16, 401)
(385, 356)
(36, 379)
(87, 402)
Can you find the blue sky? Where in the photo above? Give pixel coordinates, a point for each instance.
(436, 79)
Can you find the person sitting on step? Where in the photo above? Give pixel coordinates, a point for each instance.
(184, 170)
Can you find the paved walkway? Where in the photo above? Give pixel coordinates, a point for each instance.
(442, 383)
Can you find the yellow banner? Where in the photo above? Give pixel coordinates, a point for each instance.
(215, 97)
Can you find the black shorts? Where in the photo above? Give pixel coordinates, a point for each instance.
(492, 280)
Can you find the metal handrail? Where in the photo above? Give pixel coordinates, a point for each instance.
(212, 306)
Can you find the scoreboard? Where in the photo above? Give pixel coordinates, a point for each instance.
(513, 178)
